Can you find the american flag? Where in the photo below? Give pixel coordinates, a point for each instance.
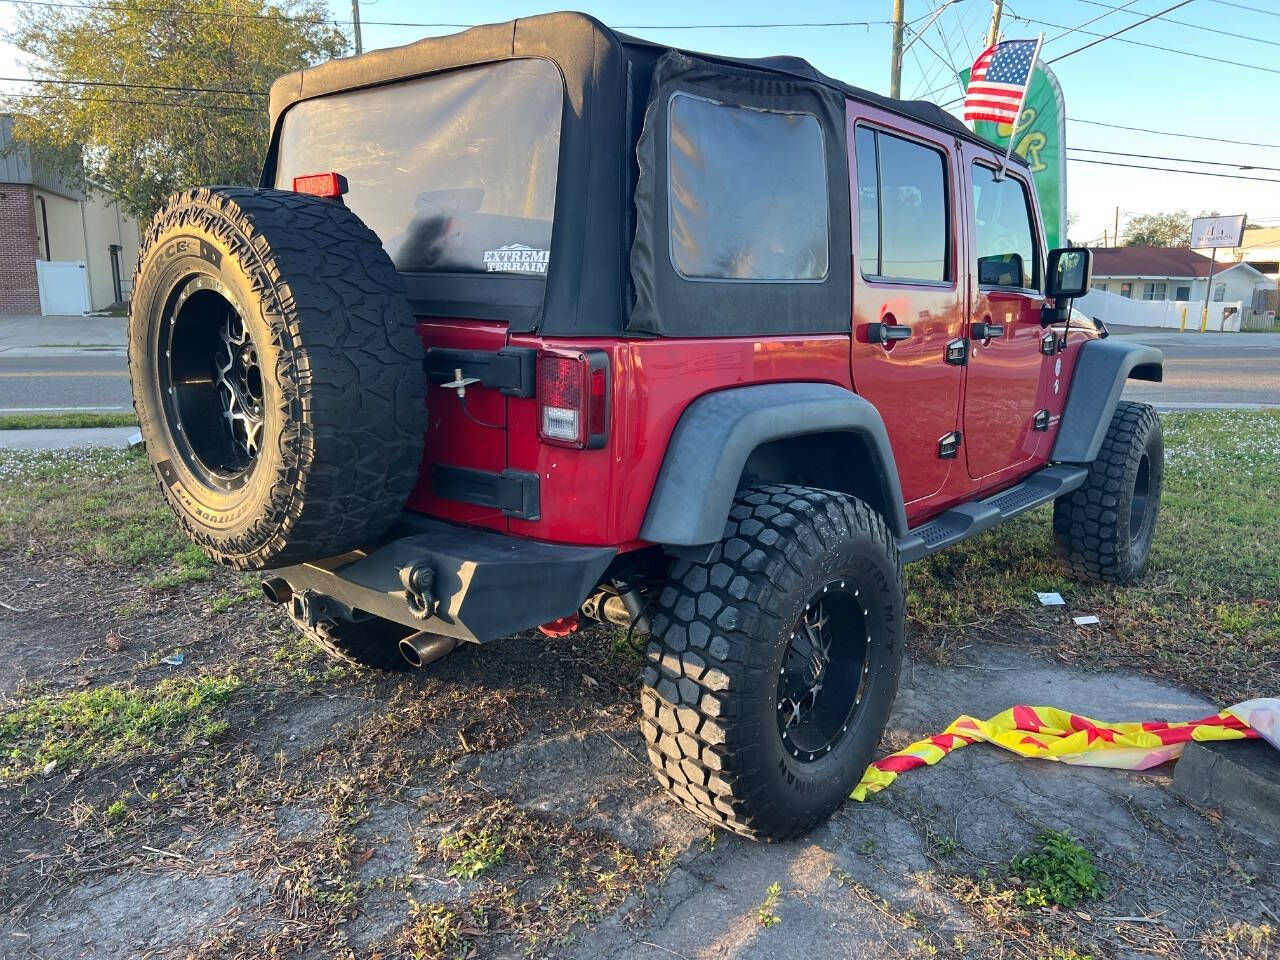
(998, 80)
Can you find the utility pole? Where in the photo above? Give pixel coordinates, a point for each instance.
(355, 22)
(997, 8)
(1116, 233)
(895, 66)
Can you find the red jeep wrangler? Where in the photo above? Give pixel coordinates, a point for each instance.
(541, 319)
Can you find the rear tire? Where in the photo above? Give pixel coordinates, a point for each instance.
(736, 730)
(365, 642)
(1103, 530)
(277, 375)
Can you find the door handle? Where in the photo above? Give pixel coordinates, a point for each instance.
(986, 331)
(887, 332)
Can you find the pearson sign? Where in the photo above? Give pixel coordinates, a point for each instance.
(1217, 232)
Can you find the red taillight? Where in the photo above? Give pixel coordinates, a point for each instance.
(321, 184)
(573, 398)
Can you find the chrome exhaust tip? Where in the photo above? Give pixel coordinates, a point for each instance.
(277, 589)
(421, 648)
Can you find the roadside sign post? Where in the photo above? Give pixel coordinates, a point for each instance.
(1214, 232)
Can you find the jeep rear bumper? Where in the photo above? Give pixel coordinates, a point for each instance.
(482, 585)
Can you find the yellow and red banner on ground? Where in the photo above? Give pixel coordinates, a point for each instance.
(1049, 733)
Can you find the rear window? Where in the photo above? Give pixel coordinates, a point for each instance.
(455, 173)
(747, 193)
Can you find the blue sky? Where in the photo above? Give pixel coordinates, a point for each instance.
(1114, 82)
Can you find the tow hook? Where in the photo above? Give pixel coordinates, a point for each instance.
(302, 607)
(419, 582)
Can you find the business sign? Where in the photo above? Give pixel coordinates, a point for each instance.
(1217, 232)
(1041, 141)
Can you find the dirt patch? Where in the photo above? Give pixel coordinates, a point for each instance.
(256, 799)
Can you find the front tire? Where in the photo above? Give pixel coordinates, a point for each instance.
(773, 666)
(1103, 530)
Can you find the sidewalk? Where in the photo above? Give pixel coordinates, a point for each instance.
(66, 439)
(59, 336)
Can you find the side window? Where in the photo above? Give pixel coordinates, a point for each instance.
(1153, 291)
(902, 208)
(1007, 252)
(747, 193)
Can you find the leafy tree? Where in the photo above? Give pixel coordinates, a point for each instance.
(1160, 229)
(144, 141)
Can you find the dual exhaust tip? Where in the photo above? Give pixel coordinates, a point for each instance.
(418, 649)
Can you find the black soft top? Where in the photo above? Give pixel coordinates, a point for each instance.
(607, 78)
(577, 43)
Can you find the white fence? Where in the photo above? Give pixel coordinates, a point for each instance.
(64, 287)
(1112, 308)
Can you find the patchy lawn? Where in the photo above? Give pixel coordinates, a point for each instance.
(59, 421)
(183, 775)
(1206, 614)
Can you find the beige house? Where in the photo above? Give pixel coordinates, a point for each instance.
(62, 250)
(1260, 249)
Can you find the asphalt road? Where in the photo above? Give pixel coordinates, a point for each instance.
(65, 382)
(1201, 370)
(1209, 369)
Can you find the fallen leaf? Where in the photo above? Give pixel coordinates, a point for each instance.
(590, 681)
(50, 767)
(362, 858)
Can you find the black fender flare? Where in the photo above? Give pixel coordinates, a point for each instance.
(1097, 380)
(718, 432)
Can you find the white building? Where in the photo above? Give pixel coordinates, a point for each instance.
(1174, 273)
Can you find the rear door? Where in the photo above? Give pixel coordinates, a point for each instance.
(1005, 335)
(907, 265)
(456, 173)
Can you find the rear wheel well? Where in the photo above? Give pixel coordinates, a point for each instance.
(839, 461)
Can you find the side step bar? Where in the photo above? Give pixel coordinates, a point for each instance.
(962, 522)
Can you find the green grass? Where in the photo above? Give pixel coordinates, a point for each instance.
(98, 504)
(471, 853)
(62, 421)
(1059, 872)
(111, 722)
(1207, 611)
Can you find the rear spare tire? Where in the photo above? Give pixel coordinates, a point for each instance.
(277, 374)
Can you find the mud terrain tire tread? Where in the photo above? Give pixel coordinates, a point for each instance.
(1091, 524)
(709, 663)
(372, 643)
(349, 369)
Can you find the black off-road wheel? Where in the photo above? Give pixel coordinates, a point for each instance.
(277, 375)
(772, 666)
(363, 641)
(1103, 530)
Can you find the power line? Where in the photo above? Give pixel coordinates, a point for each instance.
(1101, 16)
(1132, 26)
(1196, 173)
(230, 14)
(136, 86)
(1243, 6)
(1149, 156)
(140, 103)
(1172, 133)
(1184, 23)
(1149, 46)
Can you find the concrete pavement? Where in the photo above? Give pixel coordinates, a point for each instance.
(1209, 370)
(66, 439)
(54, 336)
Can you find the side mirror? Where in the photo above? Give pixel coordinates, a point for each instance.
(1070, 270)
